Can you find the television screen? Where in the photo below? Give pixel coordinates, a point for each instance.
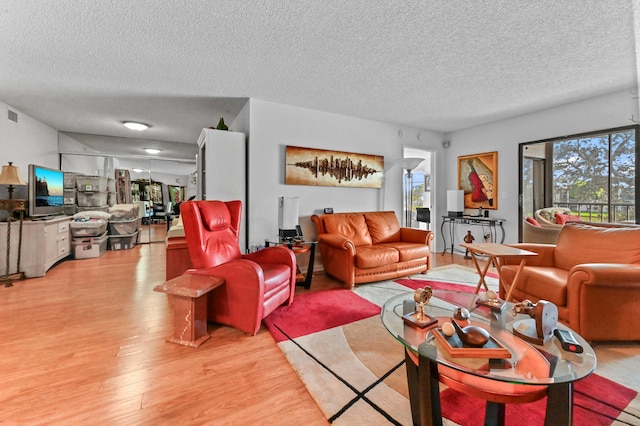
(46, 191)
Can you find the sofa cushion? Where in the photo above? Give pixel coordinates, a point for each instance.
(561, 219)
(533, 221)
(409, 251)
(383, 227)
(580, 243)
(350, 225)
(372, 256)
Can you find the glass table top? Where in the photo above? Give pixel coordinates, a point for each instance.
(526, 363)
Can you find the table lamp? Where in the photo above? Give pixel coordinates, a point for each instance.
(287, 217)
(409, 164)
(11, 176)
(455, 202)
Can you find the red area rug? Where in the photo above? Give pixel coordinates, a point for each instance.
(597, 400)
(317, 311)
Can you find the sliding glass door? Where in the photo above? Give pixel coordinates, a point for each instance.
(592, 174)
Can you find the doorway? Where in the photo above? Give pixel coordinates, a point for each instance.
(417, 184)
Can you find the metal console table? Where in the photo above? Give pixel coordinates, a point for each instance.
(492, 224)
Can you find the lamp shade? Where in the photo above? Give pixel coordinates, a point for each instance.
(410, 163)
(455, 202)
(287, 212)
(10, 175)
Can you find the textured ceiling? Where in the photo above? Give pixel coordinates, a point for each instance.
(85, 66)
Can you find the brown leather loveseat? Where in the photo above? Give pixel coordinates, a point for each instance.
(370, 246)
(592, 274)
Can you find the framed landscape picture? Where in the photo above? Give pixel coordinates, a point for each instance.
(478, 178)
(319, 167)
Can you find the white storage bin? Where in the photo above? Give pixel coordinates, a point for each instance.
(88, 228)
(93, 209)
(90, 247)
(124, 227)
(92, 184)
(123, 212)
(111, 185)
(69, 196)
(69, 180)
(90, 199)
(123, 242)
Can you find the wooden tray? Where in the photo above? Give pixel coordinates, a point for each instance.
(455, 348)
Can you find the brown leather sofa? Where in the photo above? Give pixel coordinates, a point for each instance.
(370, 246)
(592, 274)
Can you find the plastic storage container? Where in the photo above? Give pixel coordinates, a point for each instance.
(69, 196)
(88, 228)
(69, 180)
(111, 185)
(89, 247)
(92, 184)
(93, 208)
(123, 212)
(124, 227)
(70, 209)
(89, 199)
(112, 199)
(123, 242)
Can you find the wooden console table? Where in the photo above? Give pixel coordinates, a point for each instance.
(188, 294)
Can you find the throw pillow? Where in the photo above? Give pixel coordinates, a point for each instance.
(533, 222)
(561, 219)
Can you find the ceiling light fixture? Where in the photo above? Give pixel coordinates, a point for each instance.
(152, 151)
(135, 126)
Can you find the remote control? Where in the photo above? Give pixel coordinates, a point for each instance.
(569, 343)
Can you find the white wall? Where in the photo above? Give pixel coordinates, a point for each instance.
(26, 142)
(599, 113)
(274, 126)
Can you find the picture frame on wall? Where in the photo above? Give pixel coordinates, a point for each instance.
(176, 194)
(478, 178)
(321, 167)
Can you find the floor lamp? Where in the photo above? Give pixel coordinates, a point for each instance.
(409, 164)
(11, 176)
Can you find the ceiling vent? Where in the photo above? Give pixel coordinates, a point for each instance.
(13, 116)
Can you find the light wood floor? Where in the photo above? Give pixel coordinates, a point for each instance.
(85, 345)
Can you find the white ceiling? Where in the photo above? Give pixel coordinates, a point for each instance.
(86, 66)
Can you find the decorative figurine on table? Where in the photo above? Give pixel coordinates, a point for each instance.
(490, 299)
(418, 318)
(539, 328)
(468, 239)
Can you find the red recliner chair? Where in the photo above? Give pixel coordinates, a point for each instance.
(255, 284)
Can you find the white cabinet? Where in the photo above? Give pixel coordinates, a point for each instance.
(222, 173)
(44, 242)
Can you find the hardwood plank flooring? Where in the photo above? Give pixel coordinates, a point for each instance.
(85, 345)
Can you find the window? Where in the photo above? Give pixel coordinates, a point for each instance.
(592, 174)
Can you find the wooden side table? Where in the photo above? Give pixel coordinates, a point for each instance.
(496, 253)
(188, 295)
(298, 247)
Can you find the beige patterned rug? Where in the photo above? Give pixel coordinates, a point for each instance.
(354, 368)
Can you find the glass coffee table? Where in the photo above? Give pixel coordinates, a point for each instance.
(523, 374)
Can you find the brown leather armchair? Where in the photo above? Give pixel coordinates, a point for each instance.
(592, 274)
(255, 284)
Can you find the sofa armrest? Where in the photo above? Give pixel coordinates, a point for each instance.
(544, 258)
(603, 300)
(414, 235)
(337, 241)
